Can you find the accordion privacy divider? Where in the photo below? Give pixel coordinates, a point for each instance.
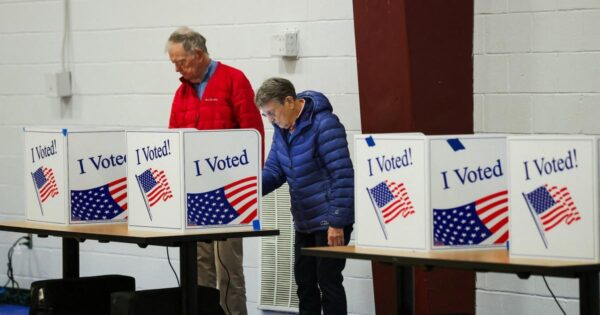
(75, 175)
(554, 196)
(429, 193)
(185, 179)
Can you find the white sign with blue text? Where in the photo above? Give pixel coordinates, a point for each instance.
(431, 192)
(389, 191)
(189, 179)
(554, 196)
(75, 176)
(468, 191)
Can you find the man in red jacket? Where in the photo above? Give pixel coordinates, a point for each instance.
(213, 95)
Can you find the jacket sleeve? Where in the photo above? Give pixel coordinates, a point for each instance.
(244, 108)
(272, 174)
(332, 146)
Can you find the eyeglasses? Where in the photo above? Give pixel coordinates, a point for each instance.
(275, 106)
(269, 114)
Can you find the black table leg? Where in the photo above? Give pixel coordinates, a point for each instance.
(589, 293)
(70, 256)
(405, 290)
(189, 277)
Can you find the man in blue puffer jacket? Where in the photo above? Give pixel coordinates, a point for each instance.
(310, 152)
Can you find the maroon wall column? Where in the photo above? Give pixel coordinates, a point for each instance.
(415, 69)
(440, 42)
(383, 60)
(415, 74)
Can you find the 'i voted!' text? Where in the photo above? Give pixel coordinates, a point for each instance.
(150, 153)
(43, 151)
(388, 163)
(546, 166)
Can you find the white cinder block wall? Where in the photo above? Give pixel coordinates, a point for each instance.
(536, 64)
(536, 70)
(122, 76)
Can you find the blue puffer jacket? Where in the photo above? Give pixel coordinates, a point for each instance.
(316, 164)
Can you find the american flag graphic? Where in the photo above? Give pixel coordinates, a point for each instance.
(45, 183)
(552, 205)
(391, 200)
(155, 186)
(234, 203)
(106, 202)
(481, 222)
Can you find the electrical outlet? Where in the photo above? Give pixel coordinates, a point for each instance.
(285, 43)
(29, 241)
(59, 84)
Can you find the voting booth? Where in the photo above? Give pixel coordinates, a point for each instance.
(554, 196)
(190, 179)
(429, 193)
(75, 176)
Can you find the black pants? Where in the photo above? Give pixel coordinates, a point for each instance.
(319, 279)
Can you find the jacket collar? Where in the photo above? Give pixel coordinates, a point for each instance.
(306, 117)
(212, 68)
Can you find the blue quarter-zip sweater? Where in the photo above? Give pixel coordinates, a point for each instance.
(315, 162)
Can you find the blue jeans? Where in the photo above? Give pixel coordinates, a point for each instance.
(319, 279)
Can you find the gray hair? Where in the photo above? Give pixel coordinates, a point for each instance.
(274, 89)
(190, 39)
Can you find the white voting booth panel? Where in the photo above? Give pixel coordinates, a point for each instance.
(554, 196)
(189, 179)
(75, 176)
(431, 192)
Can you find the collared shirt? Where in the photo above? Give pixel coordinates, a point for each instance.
(200, 87)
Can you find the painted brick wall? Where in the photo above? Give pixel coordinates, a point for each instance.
(536, 70)
(122, 77)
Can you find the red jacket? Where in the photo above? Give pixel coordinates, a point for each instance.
(227, 103)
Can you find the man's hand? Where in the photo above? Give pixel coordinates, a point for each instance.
(335, 236)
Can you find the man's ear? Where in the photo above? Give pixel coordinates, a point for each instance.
(288, 99)
(199, 53)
